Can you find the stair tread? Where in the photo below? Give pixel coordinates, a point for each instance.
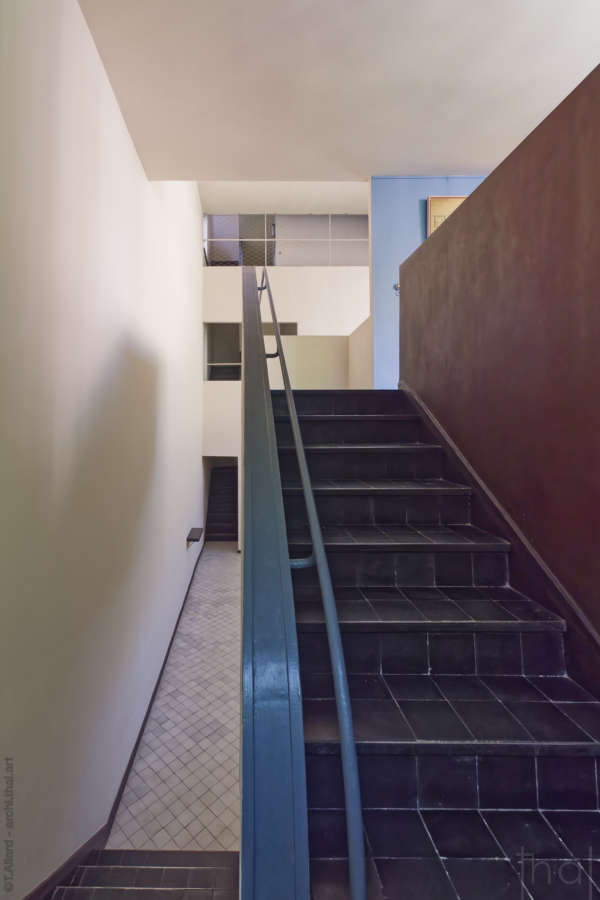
(456, 711)
(351, 417)
(154, 876)
(458, 853)
(399, 447)
(384, 486)
(458, 538)
(419, 608)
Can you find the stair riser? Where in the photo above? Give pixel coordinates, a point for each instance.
(367, 465)
(355, 568)
(348, 403)
(456, 782)
(348, 432)
(438, 653)
(356, 509)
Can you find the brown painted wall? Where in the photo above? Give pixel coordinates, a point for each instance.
(500, 337)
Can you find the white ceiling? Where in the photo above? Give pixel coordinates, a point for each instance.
(341, 89)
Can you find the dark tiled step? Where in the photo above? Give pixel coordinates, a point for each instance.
(221, 859)
(432, 565)
(342, 402)
(428, 502)
(445, 855)
(140, 893)
(434, 778)
(351, 429)
(365, 462)
(411, 709)
(437, 653)
(223, 879)
(394, 537)
(416, 609)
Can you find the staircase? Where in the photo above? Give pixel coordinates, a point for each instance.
(477, 752)
(153, 875)
(222, 512)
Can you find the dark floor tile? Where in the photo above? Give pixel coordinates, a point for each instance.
(557, 880)
(379, 720)
(412, 569)
(382, 593)
(461, 833)
(324, 783)
(434, 720)
(498, 654)
(320, 721)
(509, 687)
(525, 832)
(447, 782)
(507, 782)
(413, 687)
(397, 832)
(327, 833)
(463, 687)
(490, 721)
(452, 654)
(586, 715)
(486, 611)
(492, 879)
(543, 653)
(367, 687)
(361, 652)
(396, 611)
(490, 568)
(453, 568)
(528, 611)
(329, 880)
(415, 879)
(546, 723)
(310, 611)
(561, 688)
(404, 654)
(441, 611)
(358, 611)
(567, 783)
(388, 781)
(316, 685)
(313, 652)
(579, 830)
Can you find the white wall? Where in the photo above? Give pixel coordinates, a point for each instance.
(313, 363)
(321, 299)
(360, 356)
(222, 411)
(100, 376)
(236, 197)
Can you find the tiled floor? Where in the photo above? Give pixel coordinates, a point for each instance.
(183, 791)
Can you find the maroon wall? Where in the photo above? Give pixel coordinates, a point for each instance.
(500, 337)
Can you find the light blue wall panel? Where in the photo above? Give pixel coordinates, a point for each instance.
(398, 226)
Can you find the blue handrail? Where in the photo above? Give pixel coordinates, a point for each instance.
(274, 857)
(354, 824)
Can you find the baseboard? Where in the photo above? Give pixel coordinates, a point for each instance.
(98, 841)
(529, 571)
(45, 890)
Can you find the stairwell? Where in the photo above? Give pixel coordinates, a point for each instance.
(222, 512)
(477, 752)
(153, 875)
